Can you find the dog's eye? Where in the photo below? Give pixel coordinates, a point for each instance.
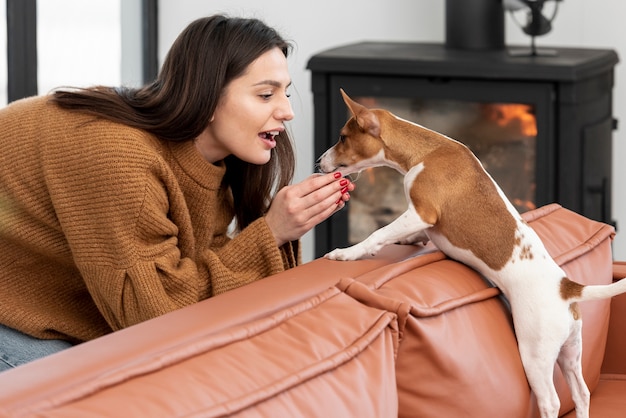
(342, 138)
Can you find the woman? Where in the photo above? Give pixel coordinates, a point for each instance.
(115, 204)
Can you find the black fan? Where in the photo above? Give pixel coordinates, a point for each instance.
(536, 23)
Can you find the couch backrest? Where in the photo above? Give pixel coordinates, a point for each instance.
(408, 333)
(458, 353)
(307, 360)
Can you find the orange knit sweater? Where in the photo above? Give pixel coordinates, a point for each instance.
(103, 226)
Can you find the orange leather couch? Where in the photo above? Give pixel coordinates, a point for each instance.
(408, 333)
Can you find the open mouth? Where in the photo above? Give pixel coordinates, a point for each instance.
(269, 138)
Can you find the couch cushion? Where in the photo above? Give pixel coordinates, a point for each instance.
(458, 354)
(295, 344)
(616, 340)
(328, 355)
(608, 399)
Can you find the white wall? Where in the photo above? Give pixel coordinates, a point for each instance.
(318, 25)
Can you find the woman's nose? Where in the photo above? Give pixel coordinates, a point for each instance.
(284, 110)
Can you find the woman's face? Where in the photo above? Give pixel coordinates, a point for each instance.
(250, 113)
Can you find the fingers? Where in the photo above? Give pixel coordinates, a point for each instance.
(346, 187)
(325, 189)
(318, 182)
(332, 197)
(296, 209)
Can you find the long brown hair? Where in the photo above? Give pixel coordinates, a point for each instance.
(208, 54)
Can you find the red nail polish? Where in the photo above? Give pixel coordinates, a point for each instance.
(343, 182)
(338, 202)
(337, 175)
(345, 189)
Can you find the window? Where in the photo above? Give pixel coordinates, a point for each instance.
(79, 43)
(3, 53)
(56, 43)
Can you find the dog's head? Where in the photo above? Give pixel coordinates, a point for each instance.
(360, 144)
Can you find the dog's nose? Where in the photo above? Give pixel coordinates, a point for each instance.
(325, 165)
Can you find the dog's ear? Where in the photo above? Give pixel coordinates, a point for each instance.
(365, 118)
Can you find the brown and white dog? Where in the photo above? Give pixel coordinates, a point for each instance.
(454, 202)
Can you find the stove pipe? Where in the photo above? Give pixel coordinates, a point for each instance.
(474, 24)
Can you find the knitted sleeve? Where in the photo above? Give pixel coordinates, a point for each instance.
(150, 269)
(97, 213)
(148, 239)
(249, 256)
(136, 259)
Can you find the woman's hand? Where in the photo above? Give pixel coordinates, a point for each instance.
(297, 208)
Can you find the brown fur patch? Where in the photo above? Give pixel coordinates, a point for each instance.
(575, 310)
(408, 153)
(356, 146)
(470, 212)
(453, 192)
(526, 253)
(569, 289)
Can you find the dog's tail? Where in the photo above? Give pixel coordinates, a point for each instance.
(594, 292)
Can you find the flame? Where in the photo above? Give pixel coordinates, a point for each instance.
(524, 204)
(515, 115)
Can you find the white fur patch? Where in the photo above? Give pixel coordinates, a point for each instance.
(403, 229)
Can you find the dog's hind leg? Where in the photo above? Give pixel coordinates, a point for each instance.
(539, 368)
(407, 226)
(570, 361)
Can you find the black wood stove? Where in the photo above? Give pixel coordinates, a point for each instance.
(541, 125)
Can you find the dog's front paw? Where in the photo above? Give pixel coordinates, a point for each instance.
(345, 254)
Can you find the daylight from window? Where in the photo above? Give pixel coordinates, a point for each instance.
(78, 43)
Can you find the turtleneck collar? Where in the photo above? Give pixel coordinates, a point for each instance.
(195, 166)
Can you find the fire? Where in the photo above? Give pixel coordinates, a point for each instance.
(371, 177)
(515, 115)
(523, 205)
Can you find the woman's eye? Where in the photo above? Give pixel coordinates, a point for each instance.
(267, 96)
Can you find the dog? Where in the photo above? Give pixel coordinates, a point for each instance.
(454, 203)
